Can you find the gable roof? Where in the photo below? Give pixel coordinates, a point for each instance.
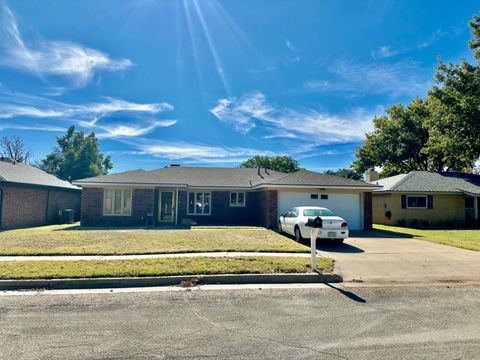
(247, 178)
(424, 181)
(13, 172)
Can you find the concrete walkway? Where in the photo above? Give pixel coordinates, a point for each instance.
(144, 256)
(390, 260)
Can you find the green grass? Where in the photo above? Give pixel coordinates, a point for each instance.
(76, 240)
(465, 239)
(158, 267)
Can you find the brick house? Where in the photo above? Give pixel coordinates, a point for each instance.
(178, 195)
(31, 197)
(427, 199)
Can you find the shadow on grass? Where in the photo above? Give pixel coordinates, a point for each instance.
(377, 233)
(107, 228)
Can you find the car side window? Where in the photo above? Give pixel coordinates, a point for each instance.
(295, 213)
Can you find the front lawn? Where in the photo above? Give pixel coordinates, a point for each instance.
(76, 240)
(159, 267)
(466, 239)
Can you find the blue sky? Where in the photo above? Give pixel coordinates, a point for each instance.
(212, 83)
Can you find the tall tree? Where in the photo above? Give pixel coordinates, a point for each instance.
(397, 141)
(349, 173)
(14, 148)
(455, 99)
(76, 156)
(440, 133)
(285, 164)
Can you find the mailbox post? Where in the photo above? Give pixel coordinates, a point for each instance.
(315, 225)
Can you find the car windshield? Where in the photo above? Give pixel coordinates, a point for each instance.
(318, 212)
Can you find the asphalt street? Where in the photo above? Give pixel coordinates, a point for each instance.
(399, 322)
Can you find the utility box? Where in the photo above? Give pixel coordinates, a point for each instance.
(67, 216)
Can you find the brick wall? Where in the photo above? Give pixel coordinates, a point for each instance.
(260, 209)
(367, 211)
(34, 206)
(221, 212)
(267, 208)
(143, 202)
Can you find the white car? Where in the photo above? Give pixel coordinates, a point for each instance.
(293, 222)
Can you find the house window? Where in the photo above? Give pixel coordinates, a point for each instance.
(237, 199)
(324, 197)
(117, 202)
(314, 196)
(199, 203)
(416, 202)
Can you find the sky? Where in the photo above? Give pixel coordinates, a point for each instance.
(212, 83)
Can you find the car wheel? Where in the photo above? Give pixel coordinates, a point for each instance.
(279, 227)
(298, 234)
(338, 241)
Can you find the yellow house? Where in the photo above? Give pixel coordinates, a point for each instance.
(426, 199)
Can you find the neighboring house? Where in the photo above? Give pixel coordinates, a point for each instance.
(422, 198)
(178, 195)
(31, 197)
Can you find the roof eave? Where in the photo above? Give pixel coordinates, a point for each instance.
(317, 186)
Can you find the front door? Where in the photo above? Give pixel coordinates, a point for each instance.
(166, 207)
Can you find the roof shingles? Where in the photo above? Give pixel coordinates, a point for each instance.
(26, 174)
(221, 177)
(423, 181)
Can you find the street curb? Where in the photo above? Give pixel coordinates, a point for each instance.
(95, 283)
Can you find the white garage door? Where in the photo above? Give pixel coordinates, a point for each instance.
(344, 205)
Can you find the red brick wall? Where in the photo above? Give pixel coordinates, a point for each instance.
(367, 211)
(267, 208)
(143, 202)
(28, 206)
(260, 209)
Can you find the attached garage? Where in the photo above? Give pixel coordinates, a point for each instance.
(346, 205)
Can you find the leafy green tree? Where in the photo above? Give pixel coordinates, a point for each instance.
(284, 164)
(440, 133)
(455, 108)
(349, 173)
(397, 141)
(76, 156)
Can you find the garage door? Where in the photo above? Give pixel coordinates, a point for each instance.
(344, 205)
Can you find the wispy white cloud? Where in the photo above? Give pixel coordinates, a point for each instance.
(14, 105)
(310, 125)
(239, 113)
(357, 79)
(437, 35)
(44, 57)
(121, 130)
(32, 127)
(384, 52)
(189, 152)
(290, 46)
(387, 51)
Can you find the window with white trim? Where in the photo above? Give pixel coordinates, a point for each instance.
(117, 202)
(416, 202)
(237, 199)
(199, 203)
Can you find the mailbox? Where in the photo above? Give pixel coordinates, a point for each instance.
(316, 223)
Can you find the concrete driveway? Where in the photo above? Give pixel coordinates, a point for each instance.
(396, 259)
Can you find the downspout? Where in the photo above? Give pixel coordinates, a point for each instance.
(46, 207)
(176, 205)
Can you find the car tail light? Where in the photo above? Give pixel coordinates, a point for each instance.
(344, 224)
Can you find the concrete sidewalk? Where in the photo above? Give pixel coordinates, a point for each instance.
(144, 256)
